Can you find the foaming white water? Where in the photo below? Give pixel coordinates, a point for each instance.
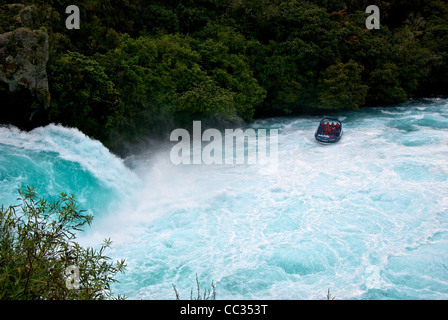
(70, 145)
(366, 217)
(56, 159)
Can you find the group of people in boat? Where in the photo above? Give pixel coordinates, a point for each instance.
(330, 129)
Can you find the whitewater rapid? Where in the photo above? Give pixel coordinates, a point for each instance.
(366, 218)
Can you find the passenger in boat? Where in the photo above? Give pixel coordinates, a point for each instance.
(322, 127)
(327, 128)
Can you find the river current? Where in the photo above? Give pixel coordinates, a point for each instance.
(366, 218)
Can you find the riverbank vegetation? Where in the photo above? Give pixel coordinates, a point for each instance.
(40, 258)
(139, 68)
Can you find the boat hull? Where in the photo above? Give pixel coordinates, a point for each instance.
(325, 137)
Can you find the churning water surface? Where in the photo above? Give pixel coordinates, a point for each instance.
(366, 218)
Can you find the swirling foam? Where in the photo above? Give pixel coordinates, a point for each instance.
(367, 217)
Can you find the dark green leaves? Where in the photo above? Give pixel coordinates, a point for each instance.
(37, 242)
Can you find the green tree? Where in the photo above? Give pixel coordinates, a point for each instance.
(207, 101)
(83, 96)
(149, 73)
(38, 251)
(225, 55)
(384, 85)
(414, 60)
(341, 87)
(435, 37)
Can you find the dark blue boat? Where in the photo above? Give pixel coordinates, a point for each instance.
(329, 131)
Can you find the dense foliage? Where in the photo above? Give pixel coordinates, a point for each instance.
(142, 67)
(38, 253)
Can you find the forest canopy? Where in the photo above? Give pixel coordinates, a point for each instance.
(137, 68)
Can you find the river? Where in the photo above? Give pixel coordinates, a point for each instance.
(366, 218)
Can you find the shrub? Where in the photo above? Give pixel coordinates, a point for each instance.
(38, 254)
(342, 88)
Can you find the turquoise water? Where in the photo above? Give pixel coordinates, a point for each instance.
(366, 218)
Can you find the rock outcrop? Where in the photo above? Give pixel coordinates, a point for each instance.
(23, 58)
